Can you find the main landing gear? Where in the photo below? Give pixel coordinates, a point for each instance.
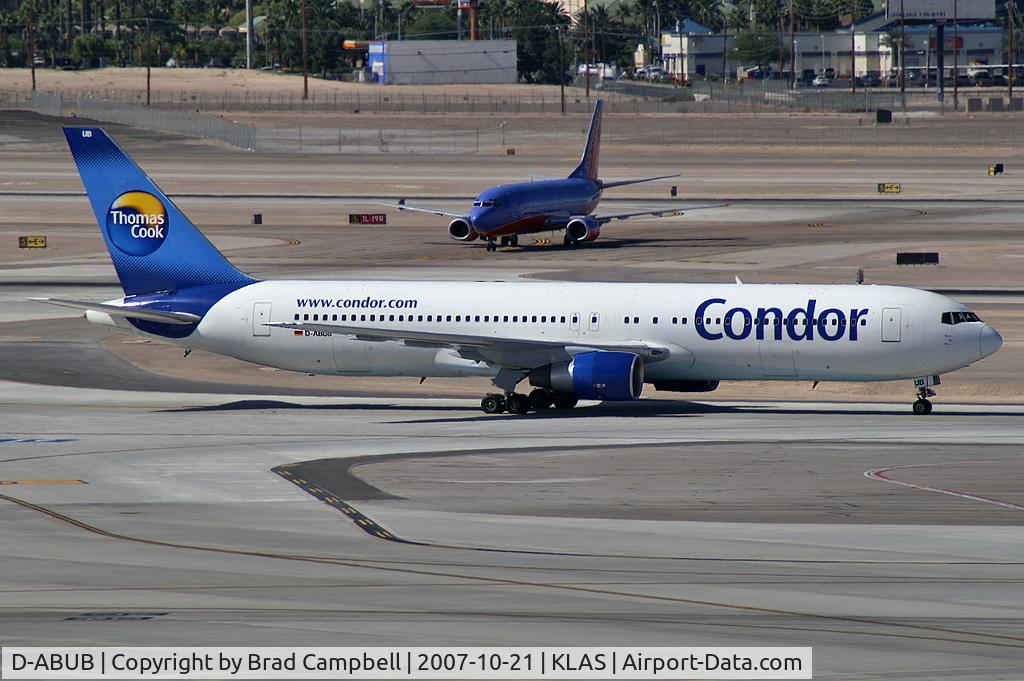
(512, 240)
(518, 403)
(922, 406)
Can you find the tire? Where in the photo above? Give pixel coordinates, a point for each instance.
(518, 404)
(564, 401)
(922, 407)
(541, 399)
(492, 404)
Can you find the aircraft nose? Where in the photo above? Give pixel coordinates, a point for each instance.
(989, 340)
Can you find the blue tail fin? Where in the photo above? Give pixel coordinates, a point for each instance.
(588, 164)
(153, 245)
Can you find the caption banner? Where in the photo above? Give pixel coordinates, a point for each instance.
(413, 663)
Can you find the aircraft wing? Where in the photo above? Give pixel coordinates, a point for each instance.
(520, 353)
(432, 211)
(622, 183)
(658, 213)
(162, 316)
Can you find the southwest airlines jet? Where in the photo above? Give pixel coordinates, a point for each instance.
(569, 341)
(508, 210)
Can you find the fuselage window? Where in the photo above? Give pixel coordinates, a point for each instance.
(430, 318)
(296, 316)
(593, 320)
(683, 320)
(449, 318)
(362, 318)
(305, 317)
(316, 318)
(675, 320)
(544, 319)
(863, 322)
(487, 317)
(458, 318)
(344, 317)
(506, 318)
(334, 317)
(534, 319)
(477, 318)
(391, 318)
(625, 320)
(654, 321)
(515, 318)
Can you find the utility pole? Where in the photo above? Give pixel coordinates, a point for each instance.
(305, 55)
(250, 39)
(561, 66)
(792, 44)
(586, 51)
(956, 62)
(903, 58)
(149, 37)
(32, 40)
(1010, 50)
(853, 48)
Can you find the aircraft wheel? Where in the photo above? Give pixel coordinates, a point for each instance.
(518, 403)
(514, 240)
(922, 407)
(541, 399)
(493, 404)
(564, 401)
(504, 241)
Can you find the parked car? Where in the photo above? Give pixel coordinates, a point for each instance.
(870, 80)
(821, 80)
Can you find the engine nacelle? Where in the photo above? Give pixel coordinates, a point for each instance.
(582, 229)
(687, 386)
(594, 376)
(460, 230)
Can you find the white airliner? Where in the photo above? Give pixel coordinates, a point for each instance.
(569, 341)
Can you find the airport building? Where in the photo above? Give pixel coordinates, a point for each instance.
(440, 62)
(693, 51)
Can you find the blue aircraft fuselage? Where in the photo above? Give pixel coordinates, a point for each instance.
(532, 206)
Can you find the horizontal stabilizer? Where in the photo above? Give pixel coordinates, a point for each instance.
(162, 316)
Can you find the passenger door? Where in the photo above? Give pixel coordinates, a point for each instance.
(595, 321)
(891, 323)
(260, 319)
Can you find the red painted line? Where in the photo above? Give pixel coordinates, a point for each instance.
(880, 474)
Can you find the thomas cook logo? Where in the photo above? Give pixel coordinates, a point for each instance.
(137, 223)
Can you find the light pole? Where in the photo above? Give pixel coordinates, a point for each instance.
(586, 51)
(305, 55)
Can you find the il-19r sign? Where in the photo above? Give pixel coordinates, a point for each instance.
(935, 11)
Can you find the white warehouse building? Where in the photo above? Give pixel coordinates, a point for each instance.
(696, 53)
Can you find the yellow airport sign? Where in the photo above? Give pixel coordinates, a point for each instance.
(889, 188)
(31, 242)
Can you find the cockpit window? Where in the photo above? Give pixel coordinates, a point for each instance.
(952, 318)
(477, 204)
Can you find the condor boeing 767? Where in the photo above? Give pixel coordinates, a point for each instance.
(569, 341)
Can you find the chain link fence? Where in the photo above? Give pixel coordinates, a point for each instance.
(166, 120)
(48, 104)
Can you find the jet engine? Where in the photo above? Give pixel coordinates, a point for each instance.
(582, 229)
(594, 376)
(460, 230)
(687, 386)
